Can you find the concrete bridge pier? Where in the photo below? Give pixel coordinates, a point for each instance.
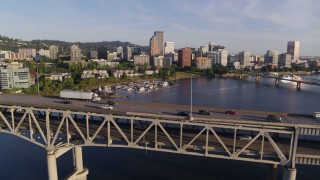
(276, 83)
(257, 79)
(80, 173)
(289, 173)
(52, 165)
(298, 85)
(272, 172)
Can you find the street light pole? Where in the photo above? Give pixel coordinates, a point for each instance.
(38, 78)
(191, 118)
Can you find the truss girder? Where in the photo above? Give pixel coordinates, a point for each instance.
(58, 129)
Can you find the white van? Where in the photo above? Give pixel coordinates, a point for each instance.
(316, 115)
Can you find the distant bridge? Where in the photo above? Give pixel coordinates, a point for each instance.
(299, 80)
(59, 131)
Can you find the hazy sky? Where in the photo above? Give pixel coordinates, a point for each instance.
(252, 25)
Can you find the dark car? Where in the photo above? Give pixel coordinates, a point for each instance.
(231, 112)
(204, 112)
(182, 113)
(274, 118)
(112, 103)
(66, 102)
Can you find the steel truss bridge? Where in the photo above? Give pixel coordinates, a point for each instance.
(59, 131)
(298, 80)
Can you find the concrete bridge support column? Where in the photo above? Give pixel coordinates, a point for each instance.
(289, 174)
(257, 79)
(52, 165)
(298, 85)
(272, 172)
(276, 83)
(80, 173)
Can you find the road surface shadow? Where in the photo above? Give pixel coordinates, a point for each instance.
(255, 118)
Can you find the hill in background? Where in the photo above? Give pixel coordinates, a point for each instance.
(11, 44)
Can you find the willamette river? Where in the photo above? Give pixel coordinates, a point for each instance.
(22, 160)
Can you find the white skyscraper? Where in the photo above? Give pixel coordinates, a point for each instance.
(169, 47)
(223, 53)
(293, 49)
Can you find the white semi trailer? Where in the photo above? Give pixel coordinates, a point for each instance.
(81, 95)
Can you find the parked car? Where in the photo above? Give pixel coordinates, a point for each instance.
(205, 112)
(316, 115)
(182, 113)
(274, 118)
(245, 138)
(231, 112)
(66, 102)
(106, 106)
(112, 103)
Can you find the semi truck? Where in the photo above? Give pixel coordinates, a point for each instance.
(81, 95)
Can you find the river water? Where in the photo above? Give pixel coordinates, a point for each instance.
(22, 160)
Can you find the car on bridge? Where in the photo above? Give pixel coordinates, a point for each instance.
(230, 112)
(106, 106)
(66, 101)
(183, 113)
(274, 118)
(316, 115)
(112, 103)
(245, 138)
(205, 112)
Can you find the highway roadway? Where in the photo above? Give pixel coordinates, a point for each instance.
(124, 107)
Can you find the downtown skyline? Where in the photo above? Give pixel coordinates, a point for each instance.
(246, 25)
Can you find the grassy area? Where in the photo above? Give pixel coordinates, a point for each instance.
(181, 75)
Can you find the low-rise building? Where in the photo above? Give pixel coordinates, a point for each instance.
(58, 77)
(129, 73)
(95, 73)
(203, 63)
(13, 76)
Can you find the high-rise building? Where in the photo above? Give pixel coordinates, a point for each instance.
(245, 58)
(92, 55)
(211, 46)
(184, 57)
(75, 53)
(293, 48)
(102, 53)
(156, 44)
(204, 49)
(272, 57)
(213, 56)
(203, 63)
(120, 52)
(30, 53)
(168, 47)
(127, 55)
(43, 52)
(223, 55)
(141, 59)
(53, 52)
(285, 60)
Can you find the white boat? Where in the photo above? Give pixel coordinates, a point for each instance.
(165, 84)
(141, 89)
(286, 77)
(129, 89)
